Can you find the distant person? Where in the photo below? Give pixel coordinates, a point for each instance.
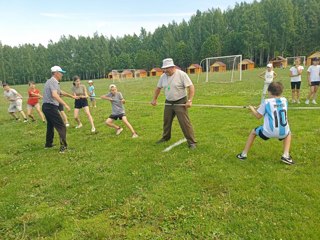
(175, 84)
(15, 100)
(313, 80)
(268, 76)
(118, 111)
(33, 102)
(295, 74)
(80, 91)
(51, 100)
(275, 122)
(92, 94)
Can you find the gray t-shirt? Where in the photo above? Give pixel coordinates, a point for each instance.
(117, 106)
(51, 85)
(175, 86)
(11, 95)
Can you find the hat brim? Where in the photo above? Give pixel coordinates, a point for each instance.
(62, 71)
(168, 66)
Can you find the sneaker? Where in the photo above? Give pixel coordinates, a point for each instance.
(135, 135)
(192, 146)
(314, 102)
(307, 101)
(287, 160)
(79, 126)
(239, 156)
(93, 130)
(161, 141)
(67, 125)
(119, 130)
(293, 101)
(62, 149)
(18, 119)
(25, 120)
(298, 101)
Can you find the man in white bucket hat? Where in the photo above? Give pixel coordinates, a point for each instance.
(175, 84)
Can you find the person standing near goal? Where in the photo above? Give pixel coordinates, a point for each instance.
(175, 84)
(295, 74)
(268, 76)
(275, 122)
(313, 80)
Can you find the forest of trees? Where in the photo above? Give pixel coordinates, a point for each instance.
(259, 31)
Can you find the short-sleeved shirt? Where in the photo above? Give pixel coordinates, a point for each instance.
(117, 106)
(51, 84)
(175, 86)
(314, 73)
(32, 100)
(91, 91)
(275, 122)
(268, 77)
(294, 71)
(79, 91)
(12, 94)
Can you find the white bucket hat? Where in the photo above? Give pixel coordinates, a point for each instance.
(112, 86)
(269, 65)
(168, 62)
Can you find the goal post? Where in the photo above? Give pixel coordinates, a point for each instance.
(222, 69)
(290, 60)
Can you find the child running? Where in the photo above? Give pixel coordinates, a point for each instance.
(15, 100)
(92, 94)
(295, 74)
(118, 111)
(269, 75)
(33, 102)
(275, 122)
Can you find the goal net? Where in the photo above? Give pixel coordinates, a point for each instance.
(290, 60)
(223, 69)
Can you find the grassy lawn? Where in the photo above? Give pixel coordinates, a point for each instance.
(116, 187)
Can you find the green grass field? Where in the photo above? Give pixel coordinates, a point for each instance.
(116, 187)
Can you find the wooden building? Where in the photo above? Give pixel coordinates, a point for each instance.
(279, 62)
(194, 68)
(155, 72)
(218, 67)
(127, 74)
(246, 64)
(141, 73)
(114, 75)
(314, 55)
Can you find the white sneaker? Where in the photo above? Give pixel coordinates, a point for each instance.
(67, 125)
(135, 135)
(93, 130)
(79, 126)
(314, 102)
(307, 101)
(298, 101)
(119, 130)
(293, 101)
(26, 120)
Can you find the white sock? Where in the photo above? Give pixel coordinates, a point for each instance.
(243, 154)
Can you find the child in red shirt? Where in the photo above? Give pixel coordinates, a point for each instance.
(33, 101)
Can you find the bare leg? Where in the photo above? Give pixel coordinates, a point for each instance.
(110, 123)
(76, 116)
(249, 143)
(29, 113)
(40, 113)
(87, 111)
(23, 114)
(286, 145)
(126, 122)
(298, 94)
(315, 89)
(13, 115)
(64, 117)
(293, 95)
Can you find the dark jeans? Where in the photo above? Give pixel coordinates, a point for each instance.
(54, 121)
(170, 111)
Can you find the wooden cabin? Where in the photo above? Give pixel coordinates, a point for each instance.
(314, 55)
(279, 62)
(114, 75)
(246, 64)
(127, 74)
(218, 67)
(194, 69)
(156, 72)
(141, 73)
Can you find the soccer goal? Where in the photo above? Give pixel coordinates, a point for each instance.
(290, 60)
(223, 69)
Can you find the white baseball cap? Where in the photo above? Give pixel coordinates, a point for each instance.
(57, 69)
(269, 65)
(168, 62)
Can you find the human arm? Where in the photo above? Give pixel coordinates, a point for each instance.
(262, 75)
(106, 98)
(255, 113)
(190, 96)
(57, 97)
(155, 96)
(63, 93)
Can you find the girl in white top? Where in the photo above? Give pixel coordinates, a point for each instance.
(295, 74)
(313, 80)
(268, 76)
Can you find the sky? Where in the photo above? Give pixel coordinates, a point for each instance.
(39, 21)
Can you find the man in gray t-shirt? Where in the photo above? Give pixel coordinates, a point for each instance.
(175, 84)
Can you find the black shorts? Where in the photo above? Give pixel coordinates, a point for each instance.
(315, 83)
(80, 103)
(60, 107)
(295, 85)
(115, 117)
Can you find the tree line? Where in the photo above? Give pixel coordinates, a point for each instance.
(258, 30)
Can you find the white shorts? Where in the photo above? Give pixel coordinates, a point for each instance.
(15, 106)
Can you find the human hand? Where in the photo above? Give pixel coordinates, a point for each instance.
(67, 107)
(188, 104)
(154, 102)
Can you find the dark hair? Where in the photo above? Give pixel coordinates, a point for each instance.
(275, 88)
(75, 78)
(5, 84)
(31, 82)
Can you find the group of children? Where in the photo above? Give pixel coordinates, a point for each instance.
(80, 95)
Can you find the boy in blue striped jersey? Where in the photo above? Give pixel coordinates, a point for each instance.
(275, 123)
